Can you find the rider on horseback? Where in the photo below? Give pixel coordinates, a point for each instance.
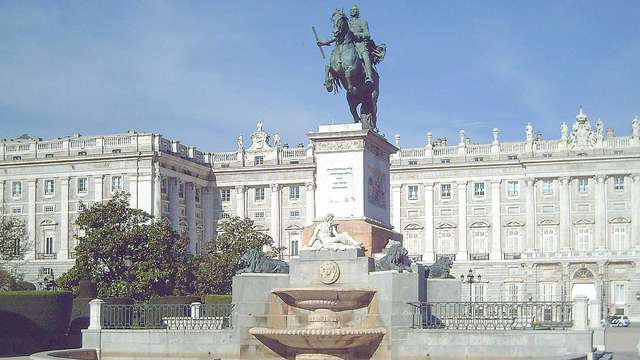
(360, 29)
(362, 38)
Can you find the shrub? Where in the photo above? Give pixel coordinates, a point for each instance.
(186, 299)
(217, 299)
(33, 320)
(21, 285)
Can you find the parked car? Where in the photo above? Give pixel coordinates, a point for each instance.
(620, 321)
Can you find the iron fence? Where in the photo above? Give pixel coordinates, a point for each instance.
(492, 315)
(167, 316)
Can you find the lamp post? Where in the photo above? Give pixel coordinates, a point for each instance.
(470, 279)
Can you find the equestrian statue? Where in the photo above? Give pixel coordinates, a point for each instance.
(351, 65)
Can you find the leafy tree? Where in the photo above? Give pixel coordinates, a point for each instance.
(13, 244)
(235, 236)
(125, 252)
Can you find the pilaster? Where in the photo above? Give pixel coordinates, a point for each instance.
(462, 221)
(428, 243)
(276, 216)
(190, 196)
(174, 203)
(98, 188)
(310, 197)
(600, 213)
(565, 214)
(31, 219)
(157, 195)
(63, 251)
(531, 215)
(208, 204)
(2, 182)
(241, 203)
(496, 226)
(635, 210)
(396, 208)
(133, 190)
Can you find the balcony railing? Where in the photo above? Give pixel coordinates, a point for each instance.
(492, 315)
(46, 256)
(479, 256)
(167, 316)
(512, 256)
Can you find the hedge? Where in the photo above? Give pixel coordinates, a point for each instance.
(187, 299)
(33, 320)
(217, 299)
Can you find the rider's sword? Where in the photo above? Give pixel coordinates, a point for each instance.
(317, 41)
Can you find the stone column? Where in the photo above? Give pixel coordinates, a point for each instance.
(95, 318)
(31, 219)
(594, 314)
(565, 214)
(531, 215)
(496, 226)
(462, 221)
(208, 204)
(133, 190)
(635, 210)
(600, 213)
(157, 195)
(190, 197)
(98, 188)
(174, 203)
(396, 207)
(241, 203)
(428, 246)
(275, 215)
(310, 197)
(63, 251)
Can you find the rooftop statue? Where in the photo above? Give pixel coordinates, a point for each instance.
(326, 236)
(351, 65)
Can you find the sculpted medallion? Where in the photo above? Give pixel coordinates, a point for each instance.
(329, 272)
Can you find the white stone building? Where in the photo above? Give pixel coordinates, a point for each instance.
(540, 219)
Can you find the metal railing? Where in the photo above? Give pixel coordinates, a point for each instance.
(450, 256)
(492, 315)
(45, 256)
(167, 316)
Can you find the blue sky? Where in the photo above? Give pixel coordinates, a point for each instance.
(204, 72)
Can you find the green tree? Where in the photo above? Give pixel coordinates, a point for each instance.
(125, 252)
(13, 245)
(235, 236)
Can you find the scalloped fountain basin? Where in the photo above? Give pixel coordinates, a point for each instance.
(321, 339)
(335, 299)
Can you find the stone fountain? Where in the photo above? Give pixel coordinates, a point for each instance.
(332, 304)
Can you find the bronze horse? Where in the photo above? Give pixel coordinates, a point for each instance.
(345, 70)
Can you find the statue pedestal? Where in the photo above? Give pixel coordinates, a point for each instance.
(352, 179)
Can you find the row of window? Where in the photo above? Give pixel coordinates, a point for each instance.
(512, 188)
(294, 193)
(49, 186)
(547, 291)
(479, 240)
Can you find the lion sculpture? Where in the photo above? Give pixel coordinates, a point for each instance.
(258, 262)
(396, 259)
(440, 269)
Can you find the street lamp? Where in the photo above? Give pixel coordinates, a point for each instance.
(471, 279)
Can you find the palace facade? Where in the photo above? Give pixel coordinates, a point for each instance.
(539, 220)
